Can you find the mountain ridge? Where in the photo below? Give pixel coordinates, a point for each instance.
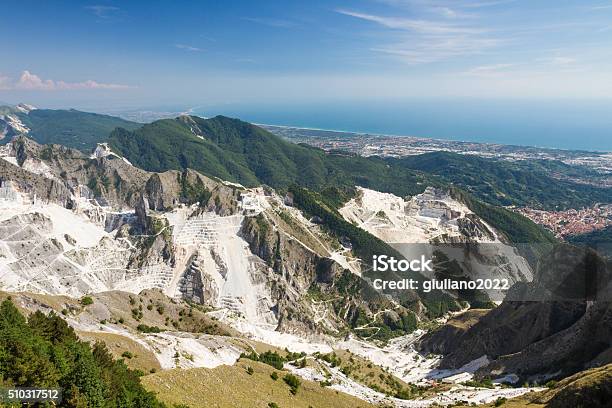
(69, 127)
(218, 147)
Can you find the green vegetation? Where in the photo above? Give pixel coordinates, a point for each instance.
(86, 301)
(271, 358)
(500, 401)
(600, 240)
(331, 358)
(240, 152)
(484, 383)
(72, 128)
(364, 372)
(365, 246)
(192, 193)
(517, 228)
(504, 183)
(230, 386)
(143, 328)
(43, 351)
(293, 382)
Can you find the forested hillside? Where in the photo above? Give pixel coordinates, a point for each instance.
(507, 183)
(241, 152)
(72, 128)
(43, 351)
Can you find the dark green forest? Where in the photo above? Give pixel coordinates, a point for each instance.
(43, 351)
(72, 128)
(504, 183)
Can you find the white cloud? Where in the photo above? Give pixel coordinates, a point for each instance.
(103, 11)
(446, 11)
(32, 82)
(493, 70)
(420, 26)
(562, 60)
(272, 22)
(187, 47)
(455, 4)
(452, 12)
(4, 83)
(480, 4)
(420, 41)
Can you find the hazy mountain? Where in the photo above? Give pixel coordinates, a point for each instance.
(72, 128)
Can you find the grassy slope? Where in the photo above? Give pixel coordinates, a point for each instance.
(145, 360)
(373, 376)
(587, 389)
(43, 351)
(72, 128)
(232, 386)
(139, 358)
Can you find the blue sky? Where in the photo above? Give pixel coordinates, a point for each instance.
(128, 53)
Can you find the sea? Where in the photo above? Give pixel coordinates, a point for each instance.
(562, 124)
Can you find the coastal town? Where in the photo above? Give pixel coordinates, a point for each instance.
(368, 144)
(571, 222)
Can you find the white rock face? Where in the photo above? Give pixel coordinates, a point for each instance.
(25, 108)
(172, 349)
(104, 150)
(226, 260)
(46, 248)
(420, 219)
(435, 217)
(14, 122)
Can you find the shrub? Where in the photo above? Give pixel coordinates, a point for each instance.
(127, 354)
(271, 358)
(87, 300)
(274, 375)
(143, 328)
(293, 382)
(500, 401)
(250, 370)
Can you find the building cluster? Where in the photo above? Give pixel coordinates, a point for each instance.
(571, 222)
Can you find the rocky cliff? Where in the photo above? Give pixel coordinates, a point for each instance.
(555, 326)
